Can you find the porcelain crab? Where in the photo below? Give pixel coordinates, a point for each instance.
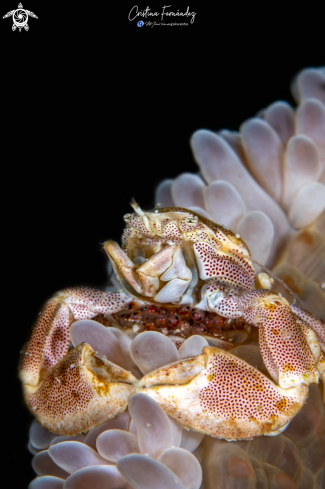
(173, 256)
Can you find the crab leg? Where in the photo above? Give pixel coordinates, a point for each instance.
(287, 348)
(45, 360)
(284, 347)
(316, 326)
(50, 337)
(221, 395)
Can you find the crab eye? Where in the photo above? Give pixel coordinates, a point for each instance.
(191, 220)
(188, 223)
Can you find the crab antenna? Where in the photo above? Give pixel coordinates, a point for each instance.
(139, 211)
(135, 206)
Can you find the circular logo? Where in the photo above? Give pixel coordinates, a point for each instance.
(20, 17)
(140, 23)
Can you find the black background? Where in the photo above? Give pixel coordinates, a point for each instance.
(96, 110)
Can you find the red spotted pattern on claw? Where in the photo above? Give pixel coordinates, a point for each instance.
(50, 338)
(251, 299)
(287, 344)
(227, 307)
(215, 265)
(57, 343)
(212, 287)
(267, 356)
(96, 300)
(48, 343)
(81, 312)
(240, 392)
(249, 302)
(65, 389)
(250, 315)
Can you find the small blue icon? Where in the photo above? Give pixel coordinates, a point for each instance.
(140, 23)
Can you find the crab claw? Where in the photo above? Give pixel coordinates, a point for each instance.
(82, 391)
(221, 395)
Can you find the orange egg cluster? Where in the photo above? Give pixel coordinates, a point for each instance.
(183, 321)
